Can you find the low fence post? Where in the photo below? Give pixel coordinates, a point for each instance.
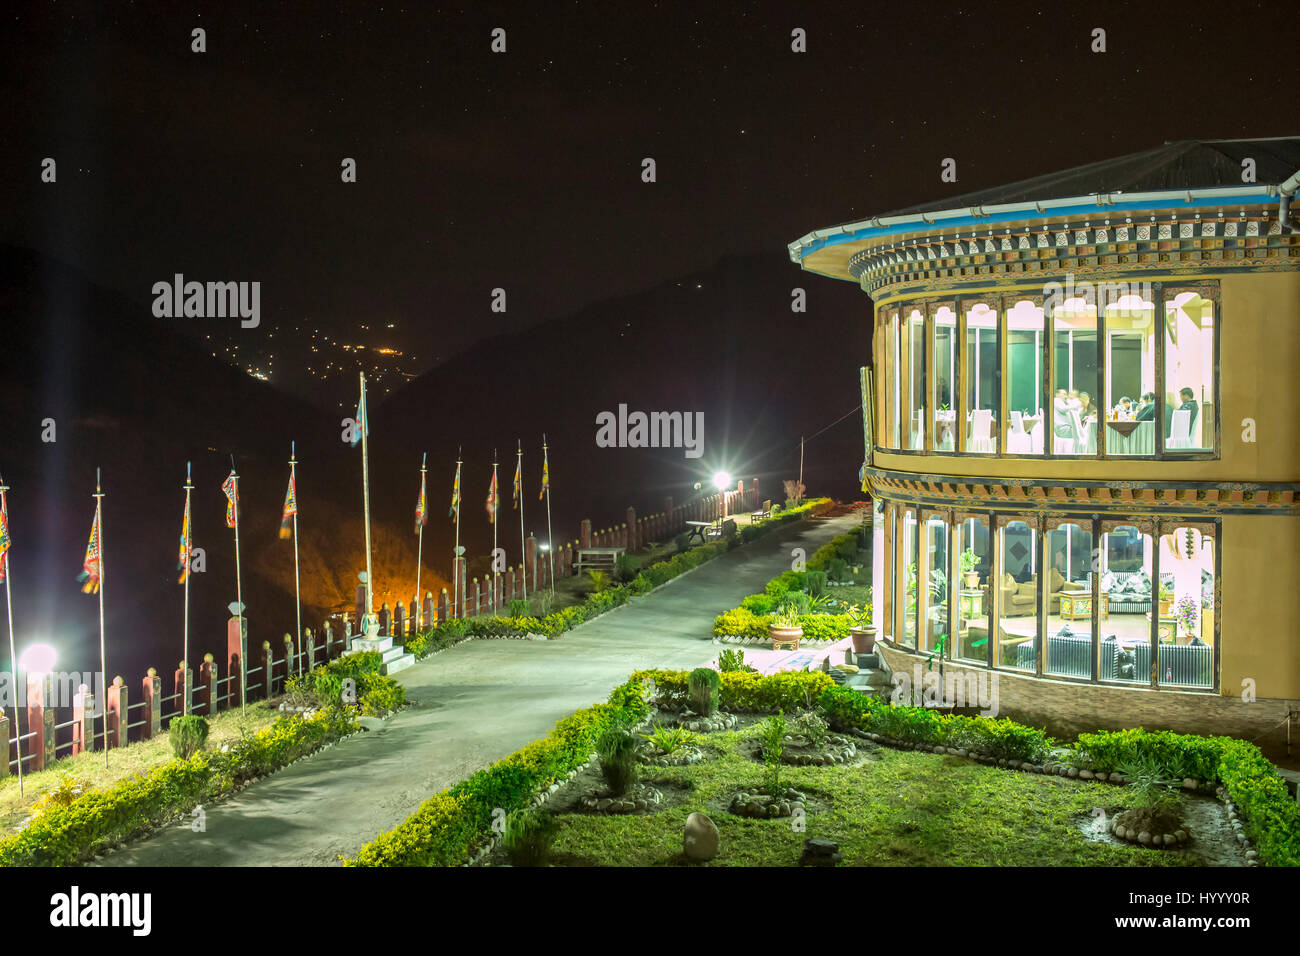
(309, 647)
(40, 720)
(115, 711)
(204, 699)
(184, 684)
(4, 746)
(430, 618)
(290, 660)
(399, 621)
(152, 686)
(442, 605)
(268, 671)
(476, 600)
(83, 716)
(236, 653)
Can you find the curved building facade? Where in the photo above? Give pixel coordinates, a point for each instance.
(1082, 420)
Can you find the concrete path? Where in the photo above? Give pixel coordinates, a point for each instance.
(471, 705)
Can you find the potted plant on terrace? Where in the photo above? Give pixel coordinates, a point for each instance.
(969, 561)
(861, 632)
(784, 628)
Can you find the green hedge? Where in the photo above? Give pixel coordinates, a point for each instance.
(444, 830)
(848, 709)
(753, 616)
(745, 690)
(1270, 815)
(556, 623)
(99, 819)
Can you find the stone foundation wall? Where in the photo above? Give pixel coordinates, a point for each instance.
(1068, 708)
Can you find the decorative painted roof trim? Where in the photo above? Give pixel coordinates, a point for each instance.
(1096, 203)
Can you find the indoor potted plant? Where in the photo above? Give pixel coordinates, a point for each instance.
(784, 628)
(1166, 599)
(969, 576)
(861, 632)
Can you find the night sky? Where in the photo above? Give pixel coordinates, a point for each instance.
(522, 170)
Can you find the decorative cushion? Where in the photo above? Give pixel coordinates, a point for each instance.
(1025, 590)
(1107, 581)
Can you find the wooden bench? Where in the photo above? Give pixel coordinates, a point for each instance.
(603, 559)
(700, 529)
(763, 512)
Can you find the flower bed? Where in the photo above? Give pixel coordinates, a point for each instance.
(748, 623)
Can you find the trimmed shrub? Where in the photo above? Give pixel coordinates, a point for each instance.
(517, 608)
(797, 601)
(616, 752)
(187, 735)
(529, 835)
(703, 689)
(816, 583)
(837, 569)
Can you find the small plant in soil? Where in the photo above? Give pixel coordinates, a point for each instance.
(667, 740)
(529, 835)
(703, 687)
(732, 660)
(771, 733)
(616, 751)
(1158, 804)
(517, 608)
(812, 727)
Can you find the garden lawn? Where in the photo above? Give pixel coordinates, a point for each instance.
(901, 808)
(140, 757)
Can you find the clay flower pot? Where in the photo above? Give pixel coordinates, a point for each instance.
(971, 579)
(784, 636)
(864, 639)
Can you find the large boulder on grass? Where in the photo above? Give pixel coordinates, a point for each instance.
(702, 840)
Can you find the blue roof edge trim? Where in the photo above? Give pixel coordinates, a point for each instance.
(938, 220)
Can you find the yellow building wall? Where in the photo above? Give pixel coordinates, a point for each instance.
(1260, 630)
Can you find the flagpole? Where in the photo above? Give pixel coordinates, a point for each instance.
(419, 548)
(365, 491)
(297, 583)
(550, 544)
(455, 554)
(496, 509)
(189, 531)
(103, 664)
(523, 551)
(239, 597)
(9, 606)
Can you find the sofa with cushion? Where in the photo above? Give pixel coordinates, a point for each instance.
(1019, 597)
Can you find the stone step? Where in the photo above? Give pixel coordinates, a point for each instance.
(867, 662)
(399, 663)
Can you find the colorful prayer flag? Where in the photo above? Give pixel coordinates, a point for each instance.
(455, 493)
(4, 536)
(492, 498)
(184, 563)
(519, 464)
(90, 566)
(362, 420)
(231, 487)
(290, 509)
(421, 506)
(546, 474)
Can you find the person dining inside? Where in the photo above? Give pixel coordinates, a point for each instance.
(1147, 408)
(1189, 404)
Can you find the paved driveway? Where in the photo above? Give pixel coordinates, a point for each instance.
(471, 705)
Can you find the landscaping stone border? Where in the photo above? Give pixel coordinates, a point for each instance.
(761, 806)
(682, 758)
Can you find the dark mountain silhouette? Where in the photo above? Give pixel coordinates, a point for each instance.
(723, 342)
(137, 397)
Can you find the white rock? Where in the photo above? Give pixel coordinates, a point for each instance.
(701, 839)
